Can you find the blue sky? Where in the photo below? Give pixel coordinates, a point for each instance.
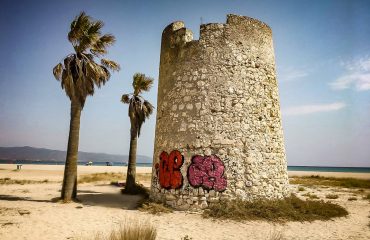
(322, 51)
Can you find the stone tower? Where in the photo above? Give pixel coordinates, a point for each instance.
(218, 133)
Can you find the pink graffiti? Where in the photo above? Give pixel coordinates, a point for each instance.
(207, 172)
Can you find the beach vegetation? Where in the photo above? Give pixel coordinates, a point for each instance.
(155, 208)
(112, 177)
(138, 111)
(300, 188)
(131, 229)
(280, 210)
(79, 74)
(367, 196)
(352, 199)
(332, 196)
(8, 180)
(186, 237)
(139, 189)
(100, 177)
(276, 235)
(316, 180)
(310, 195)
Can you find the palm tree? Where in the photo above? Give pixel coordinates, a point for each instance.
(79, 74)
(139, 109)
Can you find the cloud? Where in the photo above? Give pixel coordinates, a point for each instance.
(291, 74)
(315, 108)
(357, 75)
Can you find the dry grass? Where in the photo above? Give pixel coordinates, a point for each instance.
(315, 180)
(111, 177)
(139, 189)
(276, 235)
(13, 211)
(301, 189)
(153, 207)
(100, 177)
(332, 196)
(7, 224)
(289, 209)
(352, 199)
(310, 196)
(131, 229)
(367, 197)
(7, 181)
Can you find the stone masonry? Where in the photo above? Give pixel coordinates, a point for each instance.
(218, 132)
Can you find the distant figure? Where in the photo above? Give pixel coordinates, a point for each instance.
(89, 163)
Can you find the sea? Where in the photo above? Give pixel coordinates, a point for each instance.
(290, 168)
(62, 163)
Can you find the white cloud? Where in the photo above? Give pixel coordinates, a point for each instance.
(357, 75)
(292, 74)
(315, 108)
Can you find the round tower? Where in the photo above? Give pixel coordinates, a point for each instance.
(218, 132)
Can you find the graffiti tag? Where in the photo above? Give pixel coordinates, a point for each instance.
(168, 169)
(207, 172)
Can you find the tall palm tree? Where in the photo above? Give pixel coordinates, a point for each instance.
(139, 109)
(79, 74)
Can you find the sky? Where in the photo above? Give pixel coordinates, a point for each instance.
(322, 51)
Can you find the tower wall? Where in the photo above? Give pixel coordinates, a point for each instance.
(218, 132)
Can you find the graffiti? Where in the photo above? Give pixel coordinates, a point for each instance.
(168, 170)
(207, 172)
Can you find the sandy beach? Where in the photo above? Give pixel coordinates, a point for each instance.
(30, 211)
(55, 172)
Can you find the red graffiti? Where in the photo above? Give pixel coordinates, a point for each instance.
(207, 172)
(168, 170)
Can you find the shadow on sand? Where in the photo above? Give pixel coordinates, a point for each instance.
(15, 198)
(112, 199)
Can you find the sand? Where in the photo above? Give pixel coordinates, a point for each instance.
(330, 174)
(30, 212)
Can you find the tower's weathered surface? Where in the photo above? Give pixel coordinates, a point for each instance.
(218, 132)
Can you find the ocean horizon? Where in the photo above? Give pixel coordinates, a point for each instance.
(290, 168)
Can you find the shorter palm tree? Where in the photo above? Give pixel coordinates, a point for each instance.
(139, 109)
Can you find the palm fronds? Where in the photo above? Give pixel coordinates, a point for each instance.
(138, 111)
(78, 72)
(100, 46)
(110, 64)
(81, 22)
(125, 98)
(141, 83)
(139, 108)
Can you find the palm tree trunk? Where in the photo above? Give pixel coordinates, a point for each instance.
(69, 188)
(131, 168)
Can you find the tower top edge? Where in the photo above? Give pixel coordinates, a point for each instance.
(231, 19)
